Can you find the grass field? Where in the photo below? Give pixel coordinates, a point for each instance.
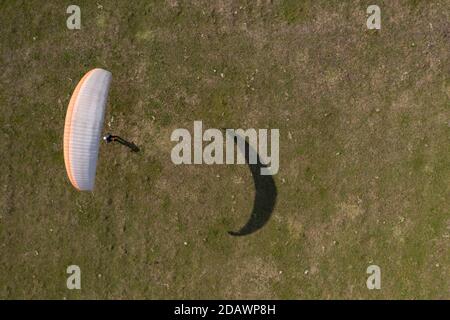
(364, 119)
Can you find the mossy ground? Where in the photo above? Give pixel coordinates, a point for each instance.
(364, 149)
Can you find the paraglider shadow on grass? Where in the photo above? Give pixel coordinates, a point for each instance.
(110, 138)
(265, 195)
(130, 145)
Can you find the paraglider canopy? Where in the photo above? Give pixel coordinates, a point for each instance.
(83, 126)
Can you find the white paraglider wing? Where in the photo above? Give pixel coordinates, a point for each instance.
(83, 126)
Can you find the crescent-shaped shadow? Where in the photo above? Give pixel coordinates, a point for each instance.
(265, 195)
